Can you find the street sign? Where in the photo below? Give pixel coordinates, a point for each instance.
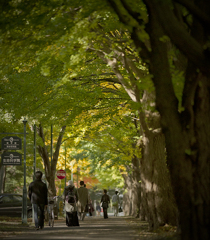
(11, 158)
(61, 174)
(11, 143)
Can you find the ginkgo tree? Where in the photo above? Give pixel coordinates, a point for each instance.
(79, 53)
(114, 48)
(181, 27)
(80, 166)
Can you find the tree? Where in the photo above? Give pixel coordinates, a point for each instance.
(103, 42)
(118, 138)
(118, 52)
(50, 166)
(185, 121)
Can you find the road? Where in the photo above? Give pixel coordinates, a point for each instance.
(92, 228)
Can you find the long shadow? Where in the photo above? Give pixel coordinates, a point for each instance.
(89, 229)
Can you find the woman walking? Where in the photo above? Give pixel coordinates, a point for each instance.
(70, 200)
(90, 208)
(115, 203)
(98, 209)
(105, 200)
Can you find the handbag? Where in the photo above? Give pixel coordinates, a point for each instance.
(120, 209)
(115, 204)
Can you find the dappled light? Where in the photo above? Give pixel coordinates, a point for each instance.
(115, 94)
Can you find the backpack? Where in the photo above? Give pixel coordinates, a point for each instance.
(70, 197)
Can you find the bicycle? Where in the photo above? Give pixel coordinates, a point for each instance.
(51, 205)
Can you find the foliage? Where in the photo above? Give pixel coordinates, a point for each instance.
(53, 59)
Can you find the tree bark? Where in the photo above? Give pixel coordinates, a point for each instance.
(157, 197)
(187, 134)
(132, 196)
(136, 186)
(127, 198)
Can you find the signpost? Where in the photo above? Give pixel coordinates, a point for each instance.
(61, 174)
(24, 208)
(11, 158)
(15, 158)
(11, 143)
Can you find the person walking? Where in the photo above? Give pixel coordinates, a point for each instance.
(105, 200)
(70, 197)
(98, 209)
(115, 203)
(82, 204)
(90, 208)
(38, 195)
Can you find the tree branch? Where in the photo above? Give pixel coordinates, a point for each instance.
(195, 10)
(57, 149)
(172, 27)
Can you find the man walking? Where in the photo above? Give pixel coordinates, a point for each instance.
(115, 203)
(105, 200)
(37, 193)
(82, 200)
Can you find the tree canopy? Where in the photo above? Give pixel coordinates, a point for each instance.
(93, 65)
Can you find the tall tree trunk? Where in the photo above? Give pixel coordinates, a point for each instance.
(157, 196)
(136, 186)
(187, 136)
(132, 195)
(127, 201)
(194, 161)
(50, 167)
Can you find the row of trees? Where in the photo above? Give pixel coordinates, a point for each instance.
(107, 67)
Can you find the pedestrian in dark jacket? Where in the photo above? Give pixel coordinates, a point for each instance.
(105, 200)
(37, 193)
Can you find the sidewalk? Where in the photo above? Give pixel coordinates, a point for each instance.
(92, 228)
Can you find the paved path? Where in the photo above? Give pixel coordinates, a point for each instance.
(92, 228)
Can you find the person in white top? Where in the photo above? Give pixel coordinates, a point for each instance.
(115, 203)
(70, 198)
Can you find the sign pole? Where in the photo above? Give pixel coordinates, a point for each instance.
(34, 165)
(65, 165)
(77, 176)
(51, 146)
(34, 150)
(24, 204)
